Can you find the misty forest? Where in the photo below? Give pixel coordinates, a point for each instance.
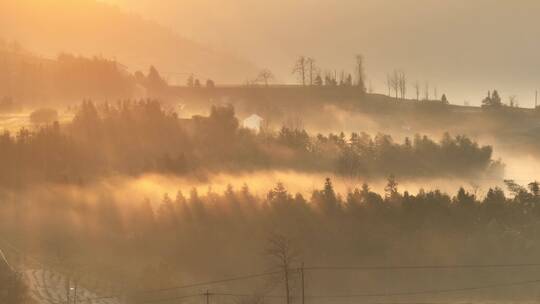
(143, 159)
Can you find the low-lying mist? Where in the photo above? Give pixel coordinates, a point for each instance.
(132, 197)
(521, 169)
(137, 193)
(135, 138)
(154, 186)
(130, 235)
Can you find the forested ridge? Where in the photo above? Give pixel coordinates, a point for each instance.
(28, 79)
(137, 137)
(141, 244)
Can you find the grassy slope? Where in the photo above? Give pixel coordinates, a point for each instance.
(509, 128)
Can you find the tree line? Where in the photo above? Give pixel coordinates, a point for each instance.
(185, 238)
(28, 78)
(309, 73)
(136, 137)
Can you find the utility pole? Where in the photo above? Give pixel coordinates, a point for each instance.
(303, 284)
(207, 295)
(536, 99)
(287, 292)
(68, 286)
(75, 293)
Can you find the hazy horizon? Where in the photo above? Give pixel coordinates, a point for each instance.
(187, 151)
(465, 48)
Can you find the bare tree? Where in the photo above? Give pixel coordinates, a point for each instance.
(417, 89)
(360, 81)
(426, 91)
(389, 84)
(435, 93)
(330, 79)
(312, 69)
(265, 76)
(284, 256)
(395, 82)
(402, 84)
(191, 80)
(300, 69)
(349, 81)
(513, 101)
(318, 80)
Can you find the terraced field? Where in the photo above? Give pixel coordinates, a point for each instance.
(47, 287)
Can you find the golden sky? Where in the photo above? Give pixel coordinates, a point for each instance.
(463, 47)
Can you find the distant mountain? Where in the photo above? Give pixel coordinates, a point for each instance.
(90, 27)
(30, 79)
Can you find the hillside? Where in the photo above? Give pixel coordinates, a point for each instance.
(32, 80)
(329, 109)
(89, 28)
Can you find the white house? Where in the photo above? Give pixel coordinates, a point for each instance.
(253, 122)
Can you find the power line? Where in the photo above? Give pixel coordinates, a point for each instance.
(377, 268)
(316, 268)
(213, 282)
(175, 298)
(199, 284)
(246, 277)
(338, 268)
(428, 292)
(411, 303)
(386, 294)
(240, 295)
(412, 267)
